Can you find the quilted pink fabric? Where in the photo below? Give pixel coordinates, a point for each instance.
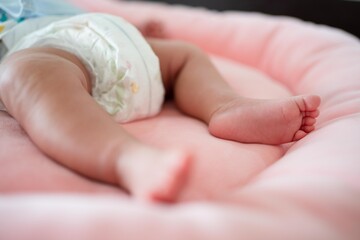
(306, 190)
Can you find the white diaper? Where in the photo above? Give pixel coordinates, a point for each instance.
(125, 71)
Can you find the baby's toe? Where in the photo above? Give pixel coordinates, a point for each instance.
(308, 129)
(299, 135)
(313, 114)
(308, 121)
(312, 102)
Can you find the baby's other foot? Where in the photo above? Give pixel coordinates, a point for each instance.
(153, 175)
(266, 121)
(152, 29)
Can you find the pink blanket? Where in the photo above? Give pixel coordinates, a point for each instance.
(306, 190)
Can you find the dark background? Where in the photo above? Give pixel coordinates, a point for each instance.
(337, 13)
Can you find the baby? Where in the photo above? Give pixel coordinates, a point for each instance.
(71, 82)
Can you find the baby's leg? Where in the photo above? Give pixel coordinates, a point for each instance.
(47, 91)
(247, 120)
(200, 91)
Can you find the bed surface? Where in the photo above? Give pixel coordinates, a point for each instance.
(304, 190)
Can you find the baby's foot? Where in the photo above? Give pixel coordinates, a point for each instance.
(266, 121)
(152, 29)
(152, 174)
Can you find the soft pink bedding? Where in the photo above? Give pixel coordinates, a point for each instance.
(306, 190)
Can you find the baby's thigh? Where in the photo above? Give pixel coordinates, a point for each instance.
(42, 62)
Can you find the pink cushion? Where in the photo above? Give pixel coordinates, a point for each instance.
(306, 190)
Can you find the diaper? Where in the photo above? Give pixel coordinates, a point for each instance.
(125, 72)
